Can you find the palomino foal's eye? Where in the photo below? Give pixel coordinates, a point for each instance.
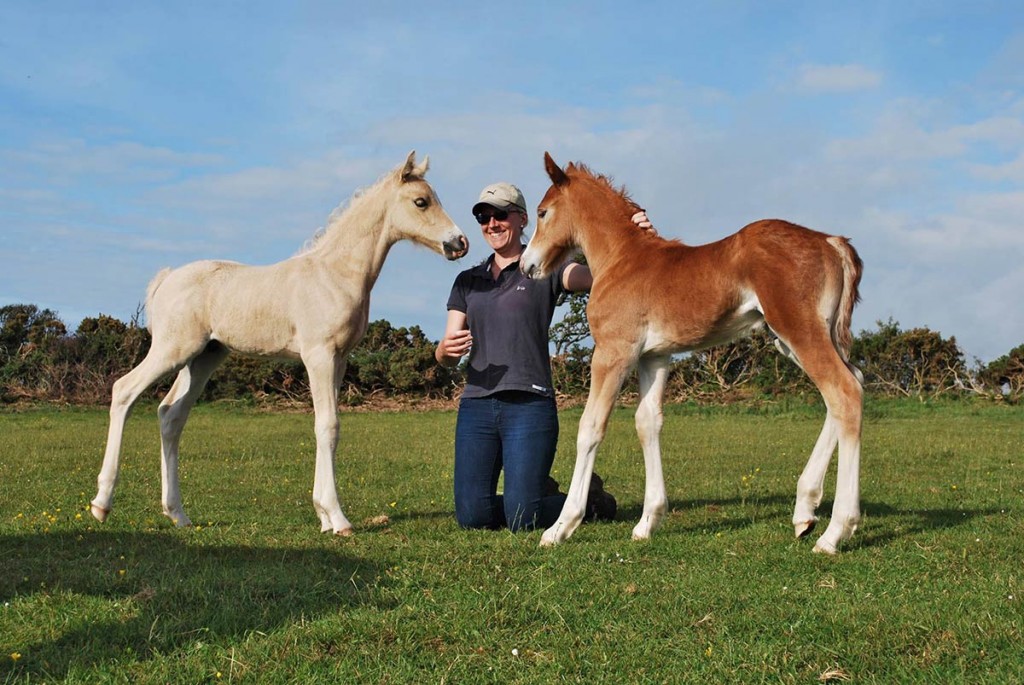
(421, 202)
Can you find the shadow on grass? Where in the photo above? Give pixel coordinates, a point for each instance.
(732, 513)
(909, 522)
(159, 594)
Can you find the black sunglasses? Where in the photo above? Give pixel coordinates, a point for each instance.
(484, 218)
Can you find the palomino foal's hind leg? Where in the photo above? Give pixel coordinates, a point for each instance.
(173, 413)
(325, 373)
(653, 373)
(126, 391)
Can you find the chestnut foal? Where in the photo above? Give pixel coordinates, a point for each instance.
(652, 298)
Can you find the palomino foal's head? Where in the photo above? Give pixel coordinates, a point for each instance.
(556, 235)
(416, 213)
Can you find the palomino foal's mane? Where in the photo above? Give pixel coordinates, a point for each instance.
(342, 213)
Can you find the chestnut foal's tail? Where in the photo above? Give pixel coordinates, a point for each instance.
(853, 268)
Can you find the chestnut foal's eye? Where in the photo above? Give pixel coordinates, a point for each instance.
(421, 202)
(541, 213)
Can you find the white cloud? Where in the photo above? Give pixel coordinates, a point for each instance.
(66, 160)
(837, 77)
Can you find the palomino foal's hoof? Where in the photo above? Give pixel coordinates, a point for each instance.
(99, 513)
(804, 528)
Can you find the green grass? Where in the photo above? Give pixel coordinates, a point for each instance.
(929, 591)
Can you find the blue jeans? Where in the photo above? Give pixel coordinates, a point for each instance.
(515, 431)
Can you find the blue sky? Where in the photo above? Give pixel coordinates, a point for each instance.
(140, 135)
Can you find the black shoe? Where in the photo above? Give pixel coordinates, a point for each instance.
(551, 488)
(601, 506)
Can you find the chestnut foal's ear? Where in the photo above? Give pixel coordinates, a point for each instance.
(555, 172)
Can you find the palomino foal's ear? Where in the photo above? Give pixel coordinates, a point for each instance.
(555, 172)
(410, 166)
(421, 170)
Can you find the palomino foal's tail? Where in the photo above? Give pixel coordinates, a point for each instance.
(853, 267)
(151, 290)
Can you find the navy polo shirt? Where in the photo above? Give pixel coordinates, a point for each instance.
(509, 320)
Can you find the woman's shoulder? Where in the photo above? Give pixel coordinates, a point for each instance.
(481, 268)
(465, 278)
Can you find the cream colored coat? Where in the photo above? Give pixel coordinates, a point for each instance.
(313, 306)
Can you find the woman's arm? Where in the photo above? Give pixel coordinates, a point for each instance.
(577, 277)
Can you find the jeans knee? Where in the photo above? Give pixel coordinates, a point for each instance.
(476, 517)
(521, 515)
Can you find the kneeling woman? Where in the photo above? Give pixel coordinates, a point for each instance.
(507, 415)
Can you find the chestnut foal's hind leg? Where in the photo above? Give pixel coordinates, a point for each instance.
(811, 485)
(844, 399)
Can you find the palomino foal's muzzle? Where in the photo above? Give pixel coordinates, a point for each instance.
(455, 248)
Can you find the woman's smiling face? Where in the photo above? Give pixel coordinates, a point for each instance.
(502, 234)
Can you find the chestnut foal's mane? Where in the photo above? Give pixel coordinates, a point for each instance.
(616, 195)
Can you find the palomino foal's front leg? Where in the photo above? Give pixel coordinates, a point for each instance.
(325, 372)
(653, 372)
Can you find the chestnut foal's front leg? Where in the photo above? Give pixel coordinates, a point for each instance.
(653, 372)
(608, 371)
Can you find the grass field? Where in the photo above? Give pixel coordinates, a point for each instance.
(931, 589)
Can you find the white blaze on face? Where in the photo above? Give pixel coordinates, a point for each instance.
(529, 261)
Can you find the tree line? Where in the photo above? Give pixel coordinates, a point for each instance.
(40, 360)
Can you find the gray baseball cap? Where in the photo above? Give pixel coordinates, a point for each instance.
(502, 196)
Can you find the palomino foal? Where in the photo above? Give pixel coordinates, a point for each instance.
(313, 307)
(652, 298)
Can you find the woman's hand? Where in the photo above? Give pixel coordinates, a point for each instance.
(452, 347)
(641, 220)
